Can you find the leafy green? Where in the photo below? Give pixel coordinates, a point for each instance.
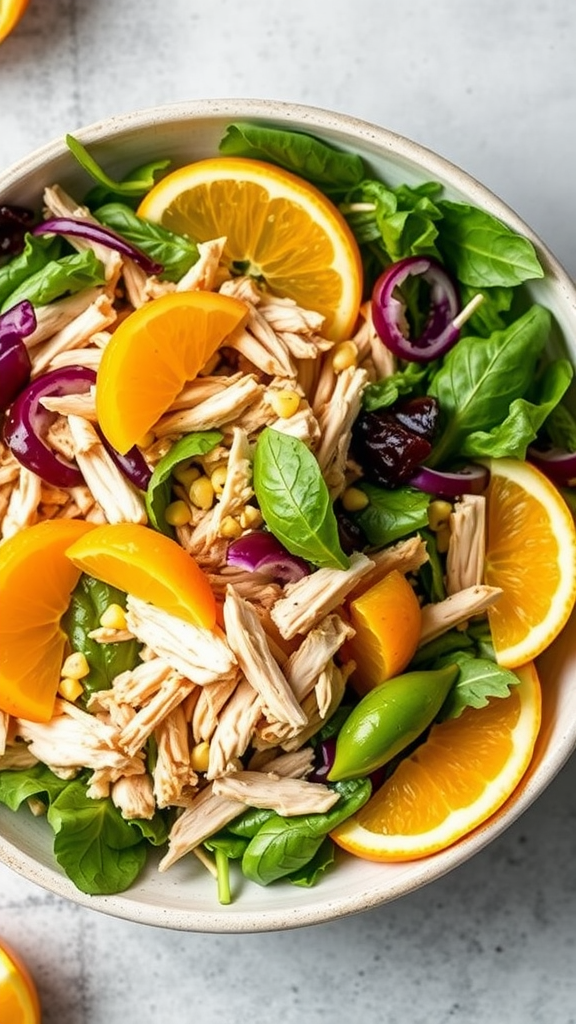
(479, 679)
(88, 601)
(561, 428)
(431, 574)
(37, 252)
(60, 277)
(295, 501)
(134, 185)
(175, 252)
(392, 514)
(402, 220)
(482, 251)
(309, 874)
(493, 313)
(159, 490)
(330, 169)
(247, 824)
(383, 393)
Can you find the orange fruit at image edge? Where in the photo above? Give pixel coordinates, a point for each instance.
(19, 1002)
(11, 12)
(387, 620)
(454, 781)
(36, 580)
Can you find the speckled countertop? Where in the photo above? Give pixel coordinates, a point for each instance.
(492, 87)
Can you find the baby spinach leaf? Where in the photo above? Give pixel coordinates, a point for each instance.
(294, 500)
(561, 428)
(310, 873)
(175, 252)
(159, 490)
(493, 313)
(233, 846)
(481, 250)
(384, 393)
(247, 824)
(392, 514)
(18, 785)
(89, 600)
(65, 276)
(402, 221)
(330, 169)
(136, 183)
(37, 252)
(479, 679)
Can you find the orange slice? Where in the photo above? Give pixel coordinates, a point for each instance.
(147, 565)
(151, 355)
(277, 228)
(454, 781)
(36, 580)
(387, 620)
(531, 554)
(19, 1003)
(10, 13)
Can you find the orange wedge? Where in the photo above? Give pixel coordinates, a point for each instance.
(19, 1003)
(10, 13)
(531, 554)
(36, 580)
(278, 228)
(463, 772)
(152, 354)
(147, 565)
(387, 620)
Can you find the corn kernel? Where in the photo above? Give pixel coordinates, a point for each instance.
(442, 539)
(230, 528)
(202, 493)
(438, 514)
(76, 666)
(113, 617)
(344, 356)
(284, 403)
(354, 500)
(70, 689)
(186, 475)
(218, 478)
(200, 756)
(250, 517)
(177, 513)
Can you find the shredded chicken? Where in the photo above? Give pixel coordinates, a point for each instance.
(467, 545)
(134, 796)
(456, 609)
(99, 315)
(315, 596)
(22, 509)
(287, 797)
(222, 408)
(234, 729)
(335, 421)
(118, 498)
(319, 646)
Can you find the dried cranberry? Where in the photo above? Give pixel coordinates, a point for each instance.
(419, 415)
(349, 533)
(386, 450)
(14, 223)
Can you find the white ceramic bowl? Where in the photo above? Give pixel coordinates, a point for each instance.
(184, 897)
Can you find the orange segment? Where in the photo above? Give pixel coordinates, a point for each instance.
(387, 620)
(531, 554)
(454, 781)
(19, 1003)
(152, 354)
(10, 13)
(36, 580)
(147, 565)
(277, 227)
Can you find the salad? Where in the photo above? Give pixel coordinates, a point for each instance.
(244, 518)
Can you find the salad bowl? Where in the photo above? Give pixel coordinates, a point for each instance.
(184, 898)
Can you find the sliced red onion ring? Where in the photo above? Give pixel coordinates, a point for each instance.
(97, 233)
(442, 328)
(15, 324)
(283, 569)
(558, 464)
(472, 479)
(132, 464)
(327, 752)
(260, 551)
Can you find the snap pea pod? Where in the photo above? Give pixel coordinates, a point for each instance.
(388, 719)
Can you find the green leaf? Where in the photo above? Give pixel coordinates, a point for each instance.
(561, 428)
(159, 490)
(294, 500)
(38, 251)
(310, 873)
(478, 681)
(431, 573)
(247, 824)
(482, 251)
(175, 252)
(17, 786)
(384, 393)
(233, 846)
(493, 313)
(57, 278)
(136, 183)
(392, 514)
(403, 219)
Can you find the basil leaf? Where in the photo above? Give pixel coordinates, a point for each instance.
(136, 183)
(57, 278)
(481, 377)
(89, 600)
(37, 252)
(392, 514)
(294, 500)
(159, 490)
(482, 251)
(328, 168)
(479, 679)
(176, 253)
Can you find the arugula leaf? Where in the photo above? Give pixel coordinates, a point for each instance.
(159, 490)
(65, 276)
(392, 514)
(294, 499)
(482, 251)
(136, 183)
(88, 601)
(330, 169)
(384, 393)
(479, 679)
(175, 252)
(37, 252)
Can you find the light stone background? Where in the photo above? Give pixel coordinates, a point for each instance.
(491, 85)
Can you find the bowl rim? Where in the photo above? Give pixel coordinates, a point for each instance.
(386, 142)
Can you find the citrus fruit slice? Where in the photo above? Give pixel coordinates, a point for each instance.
(19, 1003)
(148, 565)
(462, 773)
(151, 355)
(277, 226)
(36, 580)
(10, 13)
(387, 620)
(531, 555)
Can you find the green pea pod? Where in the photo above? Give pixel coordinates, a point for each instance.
(388, 719)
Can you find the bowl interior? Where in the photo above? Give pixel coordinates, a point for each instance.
(185, 896)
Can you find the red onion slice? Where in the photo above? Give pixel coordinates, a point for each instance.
(283, 569)
(471, 479)
(94, 232)
(15, 324)
(261, 552)
(557, 464)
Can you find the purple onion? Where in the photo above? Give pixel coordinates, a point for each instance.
(283, 569)
(97, 233)
(15, 324)
(261, 552)
(440, 333)
(557, 464)
(132, 464)
(325, 752)
(471, 479)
